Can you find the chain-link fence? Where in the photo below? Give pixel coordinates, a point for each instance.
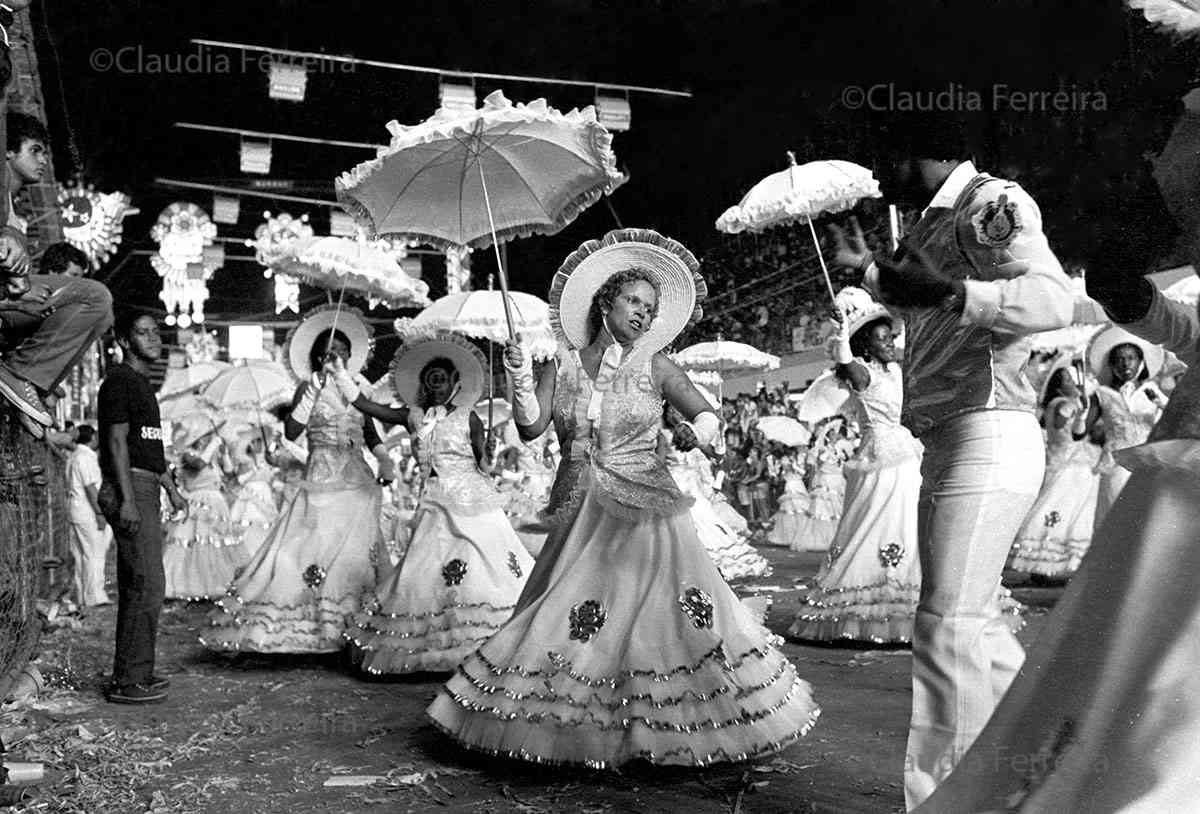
(33, 541)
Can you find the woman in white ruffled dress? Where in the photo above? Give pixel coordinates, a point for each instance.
(201, 551)
(465, 566)
(626, 644)
(308, 579)
(254, 508)
(1058, 530)
(735, 558)
(868, 587)
(827, 486)
(1128, 402)
(787, 523)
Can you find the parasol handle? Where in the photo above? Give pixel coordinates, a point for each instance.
(332, 329)
(491, 389)
(487, 201)
(821, 257)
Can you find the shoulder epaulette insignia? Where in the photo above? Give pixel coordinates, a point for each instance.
(997, 223)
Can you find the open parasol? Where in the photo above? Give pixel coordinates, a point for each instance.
(173, 408)
(800, 194)
(482, 177)
(179, 380)
(725, 358)
(357, 265)
(480, 315)
(256, 384)
(783, 430)
(705, 378)
(825, 397)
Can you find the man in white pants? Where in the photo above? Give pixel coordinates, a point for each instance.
(973, 278)
(90, 534)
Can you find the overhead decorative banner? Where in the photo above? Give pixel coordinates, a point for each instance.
(183, 232)
(272, 243)
(92, 221)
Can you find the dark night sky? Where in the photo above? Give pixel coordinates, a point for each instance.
(767, 78)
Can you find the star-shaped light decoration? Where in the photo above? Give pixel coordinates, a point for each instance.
(92, 221)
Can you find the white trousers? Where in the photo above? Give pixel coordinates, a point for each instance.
(89, 548)
(981, 474)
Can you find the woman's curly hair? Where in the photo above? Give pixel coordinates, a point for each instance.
(606, 295)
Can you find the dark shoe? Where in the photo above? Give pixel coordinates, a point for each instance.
(157, 683)
(24, 396)
(135, 694)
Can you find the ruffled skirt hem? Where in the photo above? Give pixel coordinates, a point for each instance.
(438, 642)
(266, 628)
(201, 570)
(882, 614)
(1048, 558)
(712, 712)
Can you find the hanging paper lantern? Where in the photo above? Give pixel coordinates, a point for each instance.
(183, 232)
(226, 209)
(272, 243)
(91, 221)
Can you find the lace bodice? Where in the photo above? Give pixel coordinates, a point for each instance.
(335, 441)
(1129, 415)
(444, 450)
(885, 442)
(617, 452)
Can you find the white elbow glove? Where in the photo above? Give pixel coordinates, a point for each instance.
(840, 351)
(309, 400)
(346, 386)
(526, 408)
(705, 426)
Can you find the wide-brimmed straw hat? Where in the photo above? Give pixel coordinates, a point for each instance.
(860, 309)
(674, 270)
(1103, 343)
(419, 351)
(349, 321)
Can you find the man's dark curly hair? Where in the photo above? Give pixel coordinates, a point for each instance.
(21, 128)
(126, 318)
(606, 295)
(58, 256)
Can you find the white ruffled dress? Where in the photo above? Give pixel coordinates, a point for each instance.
(462, 572)
(627, 643)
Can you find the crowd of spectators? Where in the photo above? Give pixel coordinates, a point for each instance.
(761, 287)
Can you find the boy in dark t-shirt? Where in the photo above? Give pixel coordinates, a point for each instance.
(134, 471)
